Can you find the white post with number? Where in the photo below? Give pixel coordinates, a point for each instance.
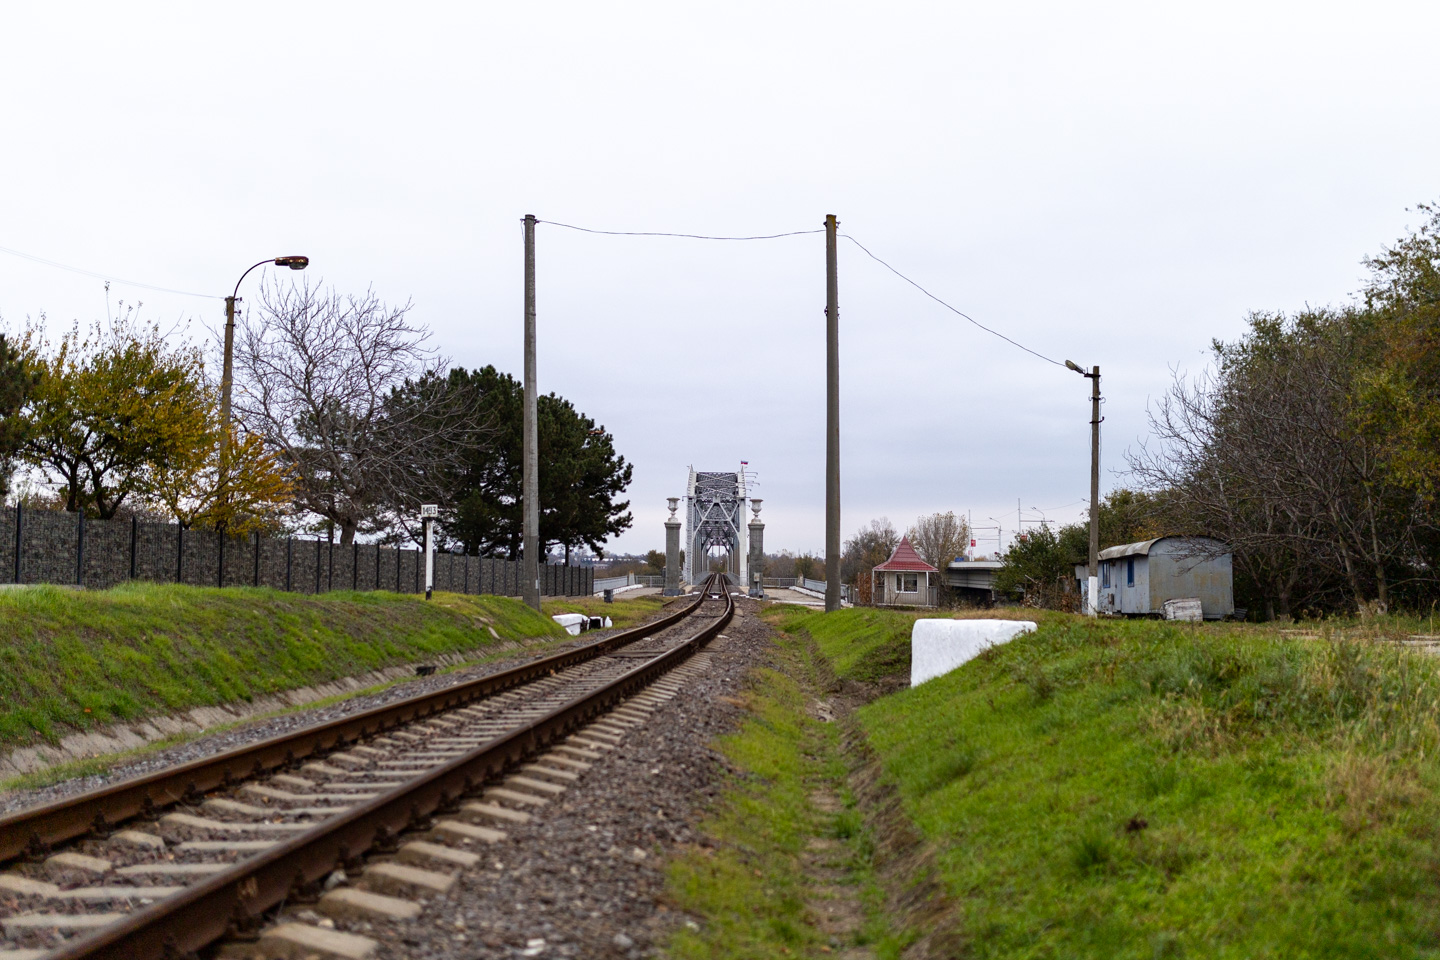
(428, 513)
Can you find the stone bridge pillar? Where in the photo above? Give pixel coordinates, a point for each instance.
(757, 551)
(672, 551)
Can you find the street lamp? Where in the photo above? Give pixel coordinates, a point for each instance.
(1093, 593)
(226, 374)
(999, 535)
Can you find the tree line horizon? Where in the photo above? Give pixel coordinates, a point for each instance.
(345, 422)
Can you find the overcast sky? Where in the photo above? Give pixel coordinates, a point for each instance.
(1114, 184)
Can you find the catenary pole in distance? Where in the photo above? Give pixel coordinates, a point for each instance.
(530, 477)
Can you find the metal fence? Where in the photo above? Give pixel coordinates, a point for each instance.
(818, 586)
(49, 546)
(628, 580)
(613, 583)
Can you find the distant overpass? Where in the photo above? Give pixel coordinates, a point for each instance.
(975, 579)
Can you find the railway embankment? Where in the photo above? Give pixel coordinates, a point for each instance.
(514, 811)
(1095, 789)
(86, 675)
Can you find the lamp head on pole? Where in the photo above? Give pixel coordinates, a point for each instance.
(294, 263)
(1069, 364)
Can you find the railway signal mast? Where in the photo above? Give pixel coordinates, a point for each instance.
(428, 513)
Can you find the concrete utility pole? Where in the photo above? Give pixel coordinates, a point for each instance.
(1093, 592)
(832, 421)
(227, 369)
(530, 477)
(1094, 491)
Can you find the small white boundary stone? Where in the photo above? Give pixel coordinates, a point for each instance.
(939, 646)
(571, 622)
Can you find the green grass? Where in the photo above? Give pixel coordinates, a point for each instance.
(862, 643)
(1140, 789)
(77, 659)
(624, 612)
(748, 883)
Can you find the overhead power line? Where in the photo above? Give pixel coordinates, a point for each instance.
(801, 233)
(947, 306)
(104, 276)
(689, 236)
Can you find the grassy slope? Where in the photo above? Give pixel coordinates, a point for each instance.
(749, 884)
(75, 659)
(624, 612)
(864, 644)
(1138, 789)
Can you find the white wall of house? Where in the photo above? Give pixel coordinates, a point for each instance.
(896, 588)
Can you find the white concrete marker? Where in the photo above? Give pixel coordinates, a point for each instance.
(571, 622)
(939, 646)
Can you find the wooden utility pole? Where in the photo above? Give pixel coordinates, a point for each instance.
(530, 477)
(832, 421)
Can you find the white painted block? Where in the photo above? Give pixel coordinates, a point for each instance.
(1187, 608)
(939, 646)
(572, 622)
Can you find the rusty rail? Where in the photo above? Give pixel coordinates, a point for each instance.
(209, 909)
(39, 828)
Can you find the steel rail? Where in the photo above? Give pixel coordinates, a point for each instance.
(37, 829)
(209, 909)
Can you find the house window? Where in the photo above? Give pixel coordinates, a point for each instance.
(1105, 574)
(907, 583)
(1130, 572)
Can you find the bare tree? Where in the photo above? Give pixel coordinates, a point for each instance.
(871, 545)
(939, 538)
(1264, 454)
(317, 376)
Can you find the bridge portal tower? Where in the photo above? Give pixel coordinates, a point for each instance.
(715, 505)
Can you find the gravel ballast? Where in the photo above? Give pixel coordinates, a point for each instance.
(586, 877)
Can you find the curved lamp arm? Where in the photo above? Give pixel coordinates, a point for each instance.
(294, 263)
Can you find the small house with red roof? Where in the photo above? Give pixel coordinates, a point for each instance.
(904, 579)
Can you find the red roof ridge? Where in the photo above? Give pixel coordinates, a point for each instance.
(906, 560)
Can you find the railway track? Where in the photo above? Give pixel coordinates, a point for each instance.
(360, 817)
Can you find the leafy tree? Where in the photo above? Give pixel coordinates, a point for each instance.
(808, 567)
(1398, 394)
(1035, 567)
(1277, 453)
(255, 495)
(581, 475)
(1126, 516)
(18, 378)
(656, 559)
(110, 410)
